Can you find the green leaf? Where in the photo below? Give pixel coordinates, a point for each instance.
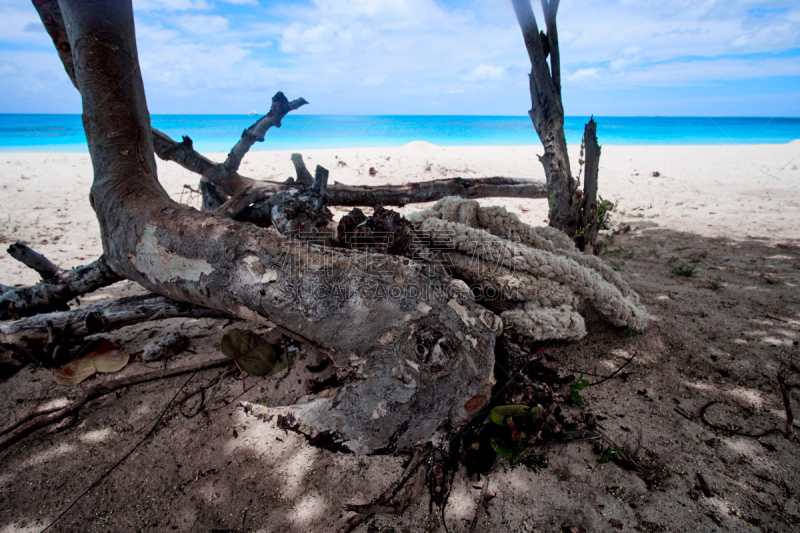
(501, 412)
(282, 362)
(500, 447)
(250, 351)
(581, 383)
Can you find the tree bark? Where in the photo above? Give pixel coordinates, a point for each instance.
(31, 259)
(420, 348)
(589, 209)
(547, 111)
(53, 292)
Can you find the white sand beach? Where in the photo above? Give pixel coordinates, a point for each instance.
(712, 190)
(718, 336)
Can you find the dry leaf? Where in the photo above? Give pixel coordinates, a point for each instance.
(103, 358)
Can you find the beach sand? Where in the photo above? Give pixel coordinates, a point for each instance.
(718, 336)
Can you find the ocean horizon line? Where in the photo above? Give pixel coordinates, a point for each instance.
(523, 115)
(218, 133)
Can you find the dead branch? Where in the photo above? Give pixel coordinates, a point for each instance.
(43, 418)
(281, 106)
(36, 338)
(547, 111)
(25, 255)
(55, 290)
(431, 191)
(587, 234)
(304, 177)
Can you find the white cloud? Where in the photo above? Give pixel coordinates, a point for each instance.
(206, 56)
(583, 74)
(485, 73)
(204, 24)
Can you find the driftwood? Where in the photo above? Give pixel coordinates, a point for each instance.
(412, 344)
(57, 287)
(379, 317)
(54, 339)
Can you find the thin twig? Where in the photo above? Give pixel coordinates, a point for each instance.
(45, 418)
(617, 371)
(733, 431)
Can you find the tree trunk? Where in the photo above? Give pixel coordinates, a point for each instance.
(571, 209)
(547, 112)
(420, 347)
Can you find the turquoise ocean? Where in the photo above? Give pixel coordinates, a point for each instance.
(218, 133)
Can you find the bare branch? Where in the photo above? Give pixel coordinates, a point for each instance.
(53, 294)
(25, 255)
(50, 13)
(431, 191)
(550, 8)
(38, 420)
(281, 106)
(102, 317)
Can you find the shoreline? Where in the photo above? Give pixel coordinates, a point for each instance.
(721, 191)
(47, 149)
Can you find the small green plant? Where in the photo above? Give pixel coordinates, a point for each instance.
(627, 331)
(574, 391)
(609, 454)
(714, 285)
(604, 209)
(517, 423)
(684, 269)
(630, 255)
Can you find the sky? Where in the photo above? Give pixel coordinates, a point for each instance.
(432, 57)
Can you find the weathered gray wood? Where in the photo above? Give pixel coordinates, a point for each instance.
(32, 259)
(431, 191)
(281, 107)
(416, 349)
(588, 223)
(547, 112)
(102, 317)
(53, 293)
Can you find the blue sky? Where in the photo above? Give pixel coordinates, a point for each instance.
(619, 57)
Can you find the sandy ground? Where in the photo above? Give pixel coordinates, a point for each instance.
(717, 336)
